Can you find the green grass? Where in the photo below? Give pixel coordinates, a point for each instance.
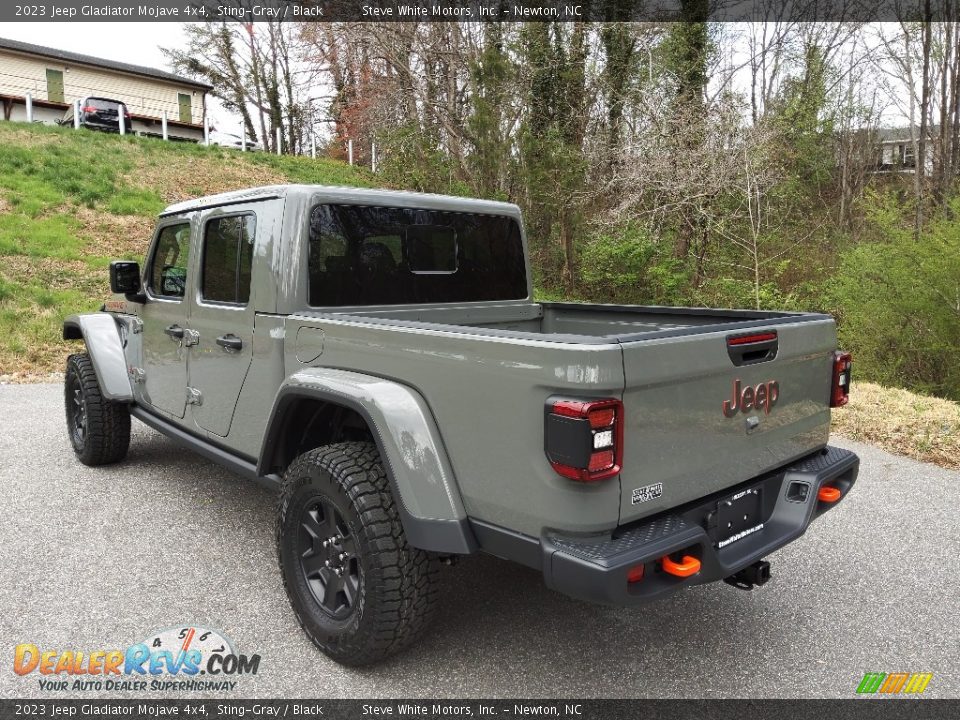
(53, 236)
(135, 201)
(310, 171)
(70, 201)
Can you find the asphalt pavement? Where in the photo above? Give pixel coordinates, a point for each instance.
(100, 558)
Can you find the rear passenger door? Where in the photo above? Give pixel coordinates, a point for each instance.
(222, 314)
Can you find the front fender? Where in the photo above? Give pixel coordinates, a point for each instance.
(415, 460)
(105, 347)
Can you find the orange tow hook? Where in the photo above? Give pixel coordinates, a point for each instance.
(687, 567)
(828, 494)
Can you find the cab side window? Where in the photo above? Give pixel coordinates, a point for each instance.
(168, 267)
(228, 259)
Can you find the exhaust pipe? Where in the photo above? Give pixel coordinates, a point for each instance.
(751, 576)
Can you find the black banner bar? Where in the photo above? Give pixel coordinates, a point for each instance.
(876, 708)
(466, 10)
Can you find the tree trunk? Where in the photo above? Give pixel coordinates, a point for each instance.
(921, 156)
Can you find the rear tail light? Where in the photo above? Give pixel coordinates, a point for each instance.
(583, 439)
(635, 574)
(89, 108)
(840, 385)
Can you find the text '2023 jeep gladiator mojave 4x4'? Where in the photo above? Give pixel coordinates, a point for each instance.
(377, 357)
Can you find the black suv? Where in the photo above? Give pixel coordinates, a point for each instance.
(98, 113)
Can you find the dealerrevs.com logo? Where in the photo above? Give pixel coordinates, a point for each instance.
(185, 658)
(894, 683)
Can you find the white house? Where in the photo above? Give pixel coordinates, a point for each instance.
(895, 152)
(54, 79)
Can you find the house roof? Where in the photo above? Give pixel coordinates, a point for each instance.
(72, 57)
(902, 134)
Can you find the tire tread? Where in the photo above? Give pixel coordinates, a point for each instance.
(108, 423)
(402, 597)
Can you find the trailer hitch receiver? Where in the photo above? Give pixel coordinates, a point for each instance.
(751, 576)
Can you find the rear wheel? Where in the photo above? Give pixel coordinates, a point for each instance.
(358, 589)
(99, 429)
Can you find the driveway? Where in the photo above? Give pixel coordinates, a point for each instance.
(100, 558)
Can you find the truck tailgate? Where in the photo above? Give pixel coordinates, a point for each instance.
(682, 443)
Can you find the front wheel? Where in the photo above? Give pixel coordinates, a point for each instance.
(99, 429)
(357, 587)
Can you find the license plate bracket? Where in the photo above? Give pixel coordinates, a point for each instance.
(737, 513)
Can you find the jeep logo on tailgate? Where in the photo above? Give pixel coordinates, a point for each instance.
(752, 397)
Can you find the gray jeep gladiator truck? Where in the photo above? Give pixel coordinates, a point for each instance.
(378, 358)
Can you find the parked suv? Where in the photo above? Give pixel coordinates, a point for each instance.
(378, 358)
(233, 141)
(98, 113)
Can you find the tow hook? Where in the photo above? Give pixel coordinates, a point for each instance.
(752, 575)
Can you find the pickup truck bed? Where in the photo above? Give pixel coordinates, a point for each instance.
(671, 367)
(578, 323)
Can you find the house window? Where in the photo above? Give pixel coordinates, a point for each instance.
(908, 157)
(55, 86)
(186, 111)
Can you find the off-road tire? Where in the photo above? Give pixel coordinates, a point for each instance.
(105, 434)
(396, 595)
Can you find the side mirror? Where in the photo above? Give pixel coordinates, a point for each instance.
(125, 280)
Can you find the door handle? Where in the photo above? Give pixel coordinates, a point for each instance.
(175, 332)
(230, 342)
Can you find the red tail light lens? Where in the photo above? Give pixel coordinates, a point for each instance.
(89, 108)
(602, 418)
(584, 438)
(840, 385)
(600, 461)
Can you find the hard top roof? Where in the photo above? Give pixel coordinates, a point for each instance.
(347, 195)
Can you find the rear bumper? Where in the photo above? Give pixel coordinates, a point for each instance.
(595, 569)
(105, 125)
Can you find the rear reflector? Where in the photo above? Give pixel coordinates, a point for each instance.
(583, 439)
(840, 384)
(635, 574)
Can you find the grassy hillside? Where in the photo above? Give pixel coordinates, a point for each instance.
(70, 201)
(902, 422)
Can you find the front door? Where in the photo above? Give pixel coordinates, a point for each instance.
(186, 111)
(222, 315)
(55, 86)
(164, 318)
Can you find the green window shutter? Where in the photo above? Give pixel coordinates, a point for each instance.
(186, 111)
(55, 86)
